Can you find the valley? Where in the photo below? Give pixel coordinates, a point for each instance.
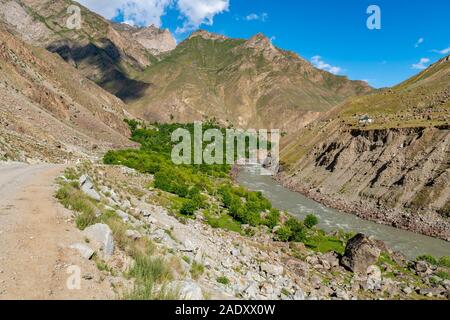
(358, 209)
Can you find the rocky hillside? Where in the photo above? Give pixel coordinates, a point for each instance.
(384, 156)
(102, 52)
(49, 111)
(156, 40)
(247, 83)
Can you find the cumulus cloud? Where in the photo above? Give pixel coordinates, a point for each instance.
(198, 12)
(318, 62)
(255, 17)
(193, 13)
(419, 42)
(443, 51)
(134, 12)
(421, 64)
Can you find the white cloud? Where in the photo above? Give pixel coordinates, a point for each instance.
(421, 65)
(419, 42)
(254, 16)
(320, 64)
(198, 12)
(443, 51)
(146, 12)
(135, 12)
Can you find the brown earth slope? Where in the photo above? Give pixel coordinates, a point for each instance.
(394, 170)
(49, 111)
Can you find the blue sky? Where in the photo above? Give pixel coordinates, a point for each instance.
(330, 33)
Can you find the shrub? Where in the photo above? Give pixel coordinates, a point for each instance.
(189, 207)
(297, 228)
(311, 221)
(272, 219)
(223, 280)
(284, 234)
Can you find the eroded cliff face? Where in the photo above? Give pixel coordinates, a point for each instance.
(392, 176)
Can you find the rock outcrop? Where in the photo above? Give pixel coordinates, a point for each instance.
(360, 253)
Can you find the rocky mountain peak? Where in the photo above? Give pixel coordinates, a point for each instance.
(207, 35)
(152, 38)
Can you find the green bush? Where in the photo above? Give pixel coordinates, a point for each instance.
(189, 208)
(272, 219)
(311, 221)
(223, 280)
(284, 234)
(297, 228)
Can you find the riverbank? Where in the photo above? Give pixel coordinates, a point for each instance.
(430, 224)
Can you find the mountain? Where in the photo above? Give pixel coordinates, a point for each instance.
(384, 156)
(156, 40)
(102, 51)
(247, 83)
(51, 112)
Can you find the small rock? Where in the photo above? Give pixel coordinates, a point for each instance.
(88, 276)
(85, 251)
(407, 290)
(272, 269)
(373, 278)
(133, 234)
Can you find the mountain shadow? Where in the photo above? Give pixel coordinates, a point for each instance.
(103, 63)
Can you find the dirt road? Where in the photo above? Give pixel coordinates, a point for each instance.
(35, 235)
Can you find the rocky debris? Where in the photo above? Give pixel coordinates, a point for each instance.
(85, 251)
(101, 235)
(87, 186)
(360, 253)
(187, 290)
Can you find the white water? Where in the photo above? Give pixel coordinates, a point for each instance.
(409, 243)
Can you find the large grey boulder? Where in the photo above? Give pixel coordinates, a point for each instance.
(87, 187)
(101, 235)
(360, 253)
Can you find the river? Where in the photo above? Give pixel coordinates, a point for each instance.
(409, 243)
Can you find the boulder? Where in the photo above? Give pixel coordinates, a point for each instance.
(87, 187)
(101, 235)
(360, 253)
(85, 251)
(187, 290)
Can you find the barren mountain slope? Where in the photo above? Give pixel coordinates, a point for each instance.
(49, 111)
(384, 156)
(103, 53)
(247, 83)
